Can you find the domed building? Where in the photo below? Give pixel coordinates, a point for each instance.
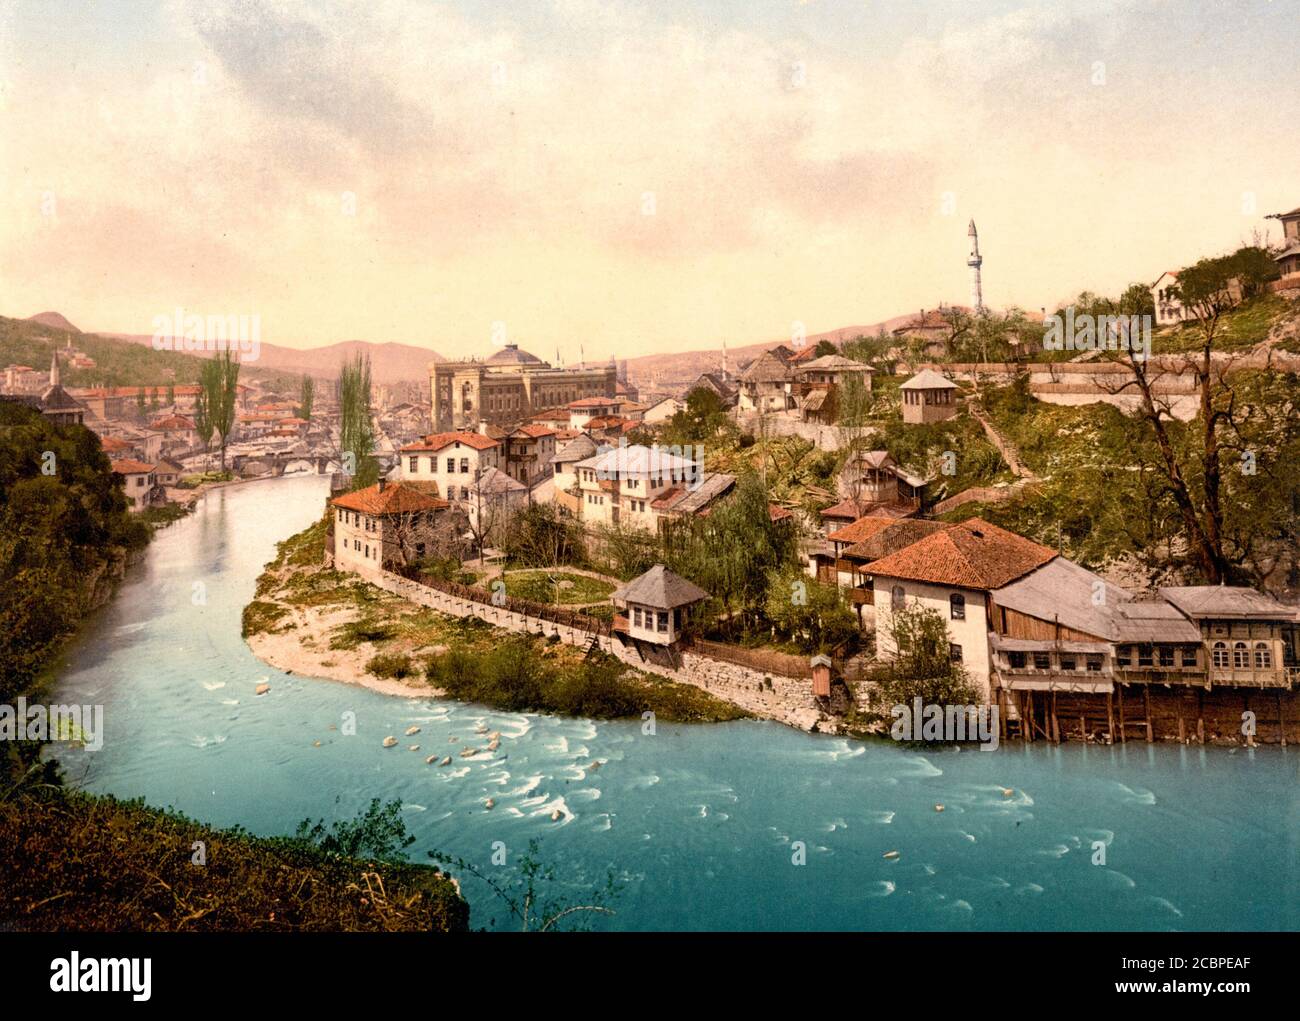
(511, 355)
(509, 387)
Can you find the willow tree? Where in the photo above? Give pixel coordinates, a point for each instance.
(356, 431)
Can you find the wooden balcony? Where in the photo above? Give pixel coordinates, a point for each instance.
(861, 596)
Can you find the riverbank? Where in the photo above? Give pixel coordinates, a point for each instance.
(309, 620)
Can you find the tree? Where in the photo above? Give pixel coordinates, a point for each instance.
(539, 537)
(307, 399)
(356, 429)
(1207, 290)
(219, 382)
(203, 420)
(808, 612)
(171, 395)
(922, 665)
(825, 347)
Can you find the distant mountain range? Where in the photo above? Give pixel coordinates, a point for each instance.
(389, 362)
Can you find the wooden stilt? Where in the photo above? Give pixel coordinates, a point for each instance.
(1056, 726)
(1028, 715)
(1146, 695)
(1083, 730)
(1200, 716)
(1281, 720)
(1110, 717)
(1182, 727)
(1123, 728)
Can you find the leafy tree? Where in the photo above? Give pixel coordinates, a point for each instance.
(539, 537)
(825, 347)
(356, 429)
(377, 834)
(922, 665)
(808, 612)
(307, 399)
(202, 420)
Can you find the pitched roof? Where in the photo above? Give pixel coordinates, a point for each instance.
(576, 449)
(1225, 601)
(1149, 622)
(636, 459)
(973, 554)
(661, 589)
(1063, 591)
(901, 533)
(128, 466)
(769, 367)
(776, 512)
(113, 443)
(593, 402)
(534, 431)
(928, 379)
(834, 363)
(862, 529)
(686, 499)
(847, 510)
(437, 441)
(388, 498)
(495, 482)
(55, 398)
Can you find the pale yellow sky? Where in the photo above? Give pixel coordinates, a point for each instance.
(634, 178)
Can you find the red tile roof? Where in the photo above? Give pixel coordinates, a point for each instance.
(973, 554)
(592, 402)
(171, 422)
(113, 443)
(126, 466)
(393, 498)
(776, 512)
(437, 441)
(862, 529)
(536, 431)
(849, 510)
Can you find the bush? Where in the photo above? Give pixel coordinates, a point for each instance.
(392, 665)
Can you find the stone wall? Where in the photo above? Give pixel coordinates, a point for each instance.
(787, 700)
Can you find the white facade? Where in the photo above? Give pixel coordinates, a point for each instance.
(662, 411)
(454, 465)
(969, 632)
(651, 625)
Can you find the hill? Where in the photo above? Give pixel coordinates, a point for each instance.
(117, 362)
(54, 320)
(389, 362)
(686, 365)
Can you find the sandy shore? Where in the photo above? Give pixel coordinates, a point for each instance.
(304, 650)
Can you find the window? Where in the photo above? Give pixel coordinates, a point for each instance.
(636, 615)
(413, 464)
(1124, 655)
(1068, 663)
(957, 606)
(1145, 656)
(1094, 664)
(1263, 657)
(451, 465)
(897, 597)
(1166, 655)
(464, 465)
(663, 622)
(954, 652)
(1016, 660)
(1188, 655)
(1220, 651)
(1042, 661)
(1240, 656)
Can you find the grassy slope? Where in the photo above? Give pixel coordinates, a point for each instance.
(117, 362)
(78, 863)
(390, 629)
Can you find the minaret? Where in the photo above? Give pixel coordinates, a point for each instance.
(54, 369)
(975, 261)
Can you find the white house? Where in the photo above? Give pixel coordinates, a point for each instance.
(952, 572)
(138, 483)
(383, 525)
(662, 411)
(652, 605)
(584, 410)
(452, 461)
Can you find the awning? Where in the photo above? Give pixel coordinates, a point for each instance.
(1086, 686)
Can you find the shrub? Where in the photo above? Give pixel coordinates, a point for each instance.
(392, 665)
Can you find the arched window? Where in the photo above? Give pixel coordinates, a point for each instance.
(897, 597)
(957, 606)
(1220, 654)
(1263, 657)
(1240, 656)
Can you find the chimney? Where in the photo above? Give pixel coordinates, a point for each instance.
(382, 483)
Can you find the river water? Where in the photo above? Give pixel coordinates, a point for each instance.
(701, 825)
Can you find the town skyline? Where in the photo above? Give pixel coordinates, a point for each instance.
(710, 177)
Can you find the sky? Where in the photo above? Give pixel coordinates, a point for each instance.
(625, 178)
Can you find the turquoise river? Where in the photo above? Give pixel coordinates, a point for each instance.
(700, 824)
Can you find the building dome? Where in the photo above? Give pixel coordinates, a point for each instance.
(511, 355)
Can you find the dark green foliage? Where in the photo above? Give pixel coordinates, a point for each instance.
(921, 666)
(95, 864)
(392, 665)
(61, 537)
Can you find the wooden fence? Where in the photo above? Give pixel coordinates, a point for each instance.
(525, 607)
(763, 660)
